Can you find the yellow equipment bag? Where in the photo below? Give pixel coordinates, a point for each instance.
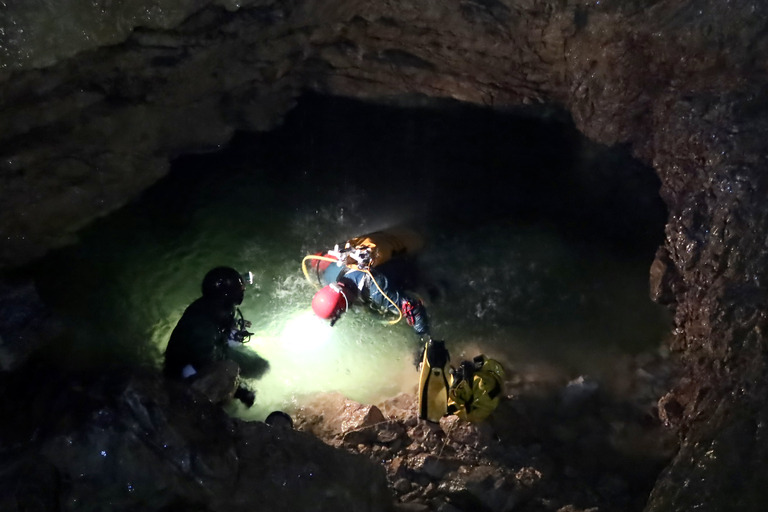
(381, 246)
(475, 397)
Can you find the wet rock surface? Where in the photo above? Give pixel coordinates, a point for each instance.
(552, 444)
(126, 441)
(680, 83)
(124, 438)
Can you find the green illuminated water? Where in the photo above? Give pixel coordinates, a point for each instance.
(518, 288)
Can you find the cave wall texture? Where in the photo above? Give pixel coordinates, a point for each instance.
(681, 83)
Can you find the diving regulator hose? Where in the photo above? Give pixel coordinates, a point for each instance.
(351, 267)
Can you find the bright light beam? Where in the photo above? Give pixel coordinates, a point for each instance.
(305, 333)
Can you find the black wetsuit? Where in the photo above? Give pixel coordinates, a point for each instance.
(200, 337)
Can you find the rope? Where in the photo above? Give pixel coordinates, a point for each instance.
(314, 257)
(447, 437)
(399, 311)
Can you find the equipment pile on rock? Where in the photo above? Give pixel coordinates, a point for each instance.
(541, 450)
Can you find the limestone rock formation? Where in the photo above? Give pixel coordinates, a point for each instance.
(681, 83)
(129, 442)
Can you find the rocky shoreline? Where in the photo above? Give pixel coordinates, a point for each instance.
(120, 438)
(552, 444)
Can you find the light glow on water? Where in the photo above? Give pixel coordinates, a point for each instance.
(518, 291)
(305, 333)
(356, 358)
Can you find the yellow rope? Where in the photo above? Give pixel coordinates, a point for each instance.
(314, 257)
(399, 312)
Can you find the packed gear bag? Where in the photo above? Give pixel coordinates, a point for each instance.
(476, 388)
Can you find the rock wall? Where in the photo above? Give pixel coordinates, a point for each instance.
(682, 83)
(122, 442)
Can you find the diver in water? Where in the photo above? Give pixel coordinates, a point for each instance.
(355, 274)
(209, 332)
(364, 271)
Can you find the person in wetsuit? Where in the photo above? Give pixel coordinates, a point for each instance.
(343, 286)
(207, 330)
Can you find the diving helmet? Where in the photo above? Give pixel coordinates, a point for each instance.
(224, 283)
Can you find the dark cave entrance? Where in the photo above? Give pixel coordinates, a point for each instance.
(469, 164)
(485, 183)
